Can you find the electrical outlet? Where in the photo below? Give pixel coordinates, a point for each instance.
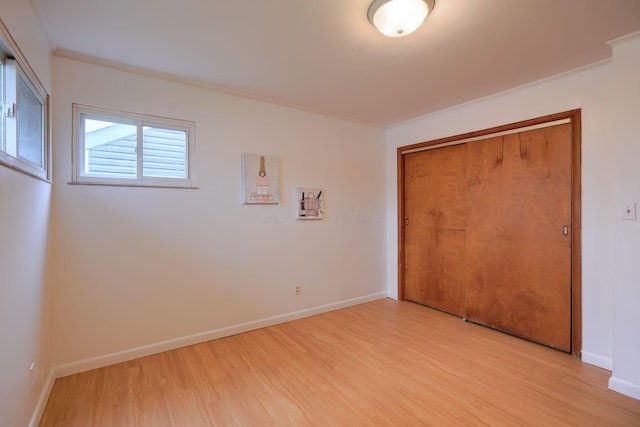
(629, 211)
(298, 289)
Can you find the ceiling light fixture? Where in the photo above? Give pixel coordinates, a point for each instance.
(399, 18)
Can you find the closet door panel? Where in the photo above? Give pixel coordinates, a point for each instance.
(435, 210)
(518, 252)
(435, 273)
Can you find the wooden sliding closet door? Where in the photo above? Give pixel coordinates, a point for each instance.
(435, 195)
(518, 251)
(487, 232)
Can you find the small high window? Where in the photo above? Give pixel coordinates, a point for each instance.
(24, 136)
(118, 148)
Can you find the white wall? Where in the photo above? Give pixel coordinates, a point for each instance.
(625, 282)
(591, 90)
(138, 266)
(24, 217)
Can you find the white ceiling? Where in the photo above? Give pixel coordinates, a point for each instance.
(324, 56)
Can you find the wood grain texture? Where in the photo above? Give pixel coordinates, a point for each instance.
(434, 238)
(381, 363)
(576, 208)
(518, 260)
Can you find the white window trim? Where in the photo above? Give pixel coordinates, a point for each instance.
(22, 67)
(78, 150)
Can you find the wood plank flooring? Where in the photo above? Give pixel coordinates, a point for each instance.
(383, 363)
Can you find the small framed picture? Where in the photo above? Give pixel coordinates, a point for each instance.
(260, 179)
(310, 203)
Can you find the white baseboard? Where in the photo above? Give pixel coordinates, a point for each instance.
(625, 387)
(147, 350)
(42, 400)
(597, 360)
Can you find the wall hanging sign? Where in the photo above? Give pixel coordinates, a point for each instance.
(261, 179)
(310, 203)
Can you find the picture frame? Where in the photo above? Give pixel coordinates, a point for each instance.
(310, 203)
(260, 179)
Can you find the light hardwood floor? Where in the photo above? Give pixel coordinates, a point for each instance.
(380, 363)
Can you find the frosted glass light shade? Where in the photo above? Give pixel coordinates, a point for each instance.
(398, 18)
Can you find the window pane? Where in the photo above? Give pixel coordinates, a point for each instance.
(164, 153)
(119, 148)
(110, 149)
(30, 124)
